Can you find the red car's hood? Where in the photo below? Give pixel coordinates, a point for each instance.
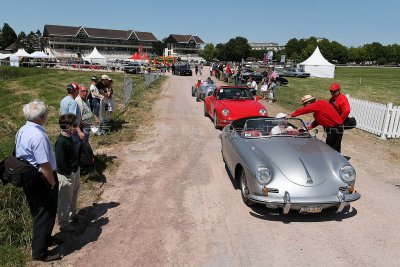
(242, 107)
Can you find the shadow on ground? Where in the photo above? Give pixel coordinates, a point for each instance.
(261, 212)
(88, 227)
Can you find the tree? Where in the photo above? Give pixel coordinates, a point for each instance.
(8, 36)
(237, 49)
(220, 52)
(158, 48)
(208, 53)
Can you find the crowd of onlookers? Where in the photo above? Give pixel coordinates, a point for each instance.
(52, 189)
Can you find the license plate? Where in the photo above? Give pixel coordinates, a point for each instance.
(310, 209)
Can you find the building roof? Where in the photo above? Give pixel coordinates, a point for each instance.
(58, 30)
(180, 38)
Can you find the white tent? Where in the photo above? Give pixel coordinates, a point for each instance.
(96, 57)
(318, 66)
(4, 56)
(21, 53)
(39, 54)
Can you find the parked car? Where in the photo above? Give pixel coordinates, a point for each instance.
(257, 76)
(229, 103)
(183, 69)
(292, 72)
(132, 68)
(291, 169)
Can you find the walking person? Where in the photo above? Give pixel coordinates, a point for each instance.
(34, 146)
(264, 87)
(325, 115)
(196, 69)
(271, 85)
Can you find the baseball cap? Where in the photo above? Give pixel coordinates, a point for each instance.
(334, 87)
(72, 87)
(306, 98)
(94, 78)
(105, 77)
(280, 115)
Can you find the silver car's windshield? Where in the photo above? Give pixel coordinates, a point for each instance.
(274, 127)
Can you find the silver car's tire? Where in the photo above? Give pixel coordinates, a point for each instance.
(244, 189)
(197, 96)
(216, 121)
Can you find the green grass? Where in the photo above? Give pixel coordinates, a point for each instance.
(380, 85)
(19, 86)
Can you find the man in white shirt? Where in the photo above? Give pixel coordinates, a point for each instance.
(96, 98)
(282, 127)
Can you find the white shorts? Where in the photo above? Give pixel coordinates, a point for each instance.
(264, 88)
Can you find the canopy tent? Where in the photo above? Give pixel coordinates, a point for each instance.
(318, 66)
(96, 57)
(135, 56)
(21, 53)
(4, 56)
(39, 54)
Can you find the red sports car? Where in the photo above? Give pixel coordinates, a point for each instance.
(229, 103)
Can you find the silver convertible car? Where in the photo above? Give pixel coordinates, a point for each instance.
(278, 163)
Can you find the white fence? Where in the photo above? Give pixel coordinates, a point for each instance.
(379, 119)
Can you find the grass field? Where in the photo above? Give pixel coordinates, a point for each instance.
(380, 85)
(19, 86)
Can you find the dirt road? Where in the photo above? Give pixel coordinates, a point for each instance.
(171, 202)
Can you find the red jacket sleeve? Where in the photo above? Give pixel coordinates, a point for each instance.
(345, 108)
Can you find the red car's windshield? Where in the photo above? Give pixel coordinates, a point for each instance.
(234, 93)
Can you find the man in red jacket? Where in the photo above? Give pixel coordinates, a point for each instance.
(339, 101)
(324, 115)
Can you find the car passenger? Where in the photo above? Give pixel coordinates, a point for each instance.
(282, 127)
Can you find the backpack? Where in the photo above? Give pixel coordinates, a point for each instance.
(17, 171)
(86, 158)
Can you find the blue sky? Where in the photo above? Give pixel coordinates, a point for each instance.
(349, 22)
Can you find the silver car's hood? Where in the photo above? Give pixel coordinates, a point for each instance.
(304, 161)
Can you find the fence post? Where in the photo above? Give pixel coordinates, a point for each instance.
(386, 120)
(128, 89)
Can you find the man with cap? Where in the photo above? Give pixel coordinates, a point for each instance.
(68, 105)
(324, 115)
(339, 101)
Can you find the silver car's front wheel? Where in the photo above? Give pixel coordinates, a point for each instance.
(244, 189)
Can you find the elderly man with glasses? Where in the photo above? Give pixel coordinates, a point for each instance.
(86, 113)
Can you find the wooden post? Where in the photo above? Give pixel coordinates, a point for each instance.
(386, 121)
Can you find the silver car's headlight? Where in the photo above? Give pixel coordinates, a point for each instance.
(263, 112)
(347, 174)
(263, 175)
(225, 112)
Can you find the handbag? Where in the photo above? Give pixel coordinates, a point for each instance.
(17, 171)
(349, 123)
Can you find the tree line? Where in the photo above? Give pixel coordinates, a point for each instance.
(296, 50)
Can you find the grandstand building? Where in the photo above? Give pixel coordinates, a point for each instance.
(79, 41)
(266, 46)
(183, 46)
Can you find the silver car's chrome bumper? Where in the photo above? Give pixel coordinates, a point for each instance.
(296, 203)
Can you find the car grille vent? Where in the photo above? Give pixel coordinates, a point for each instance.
(273, 190)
